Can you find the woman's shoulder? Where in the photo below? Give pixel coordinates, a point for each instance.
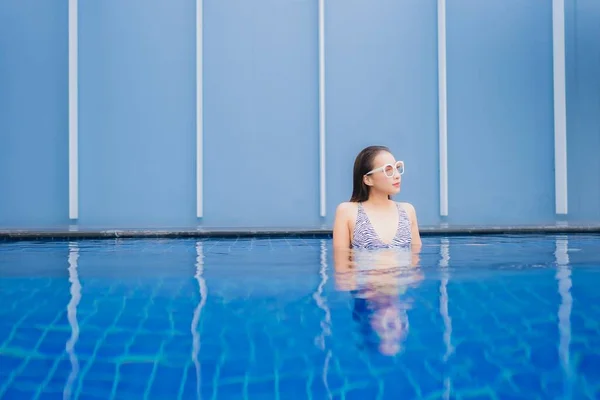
(408, 207)
(347, 206)
(346, 209)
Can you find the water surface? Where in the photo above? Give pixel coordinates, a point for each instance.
(486, 317)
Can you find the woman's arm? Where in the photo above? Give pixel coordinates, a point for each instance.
(341, 227)
(414, 228)
(341, 248)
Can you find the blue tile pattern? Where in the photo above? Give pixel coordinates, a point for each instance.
(482, 317)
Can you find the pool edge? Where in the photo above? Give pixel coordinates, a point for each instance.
(6, 235)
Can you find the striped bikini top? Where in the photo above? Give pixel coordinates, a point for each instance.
(365, 237)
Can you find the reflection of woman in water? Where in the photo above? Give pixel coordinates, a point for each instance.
(376, 242)
(378, 282)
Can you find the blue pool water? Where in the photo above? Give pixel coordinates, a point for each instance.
(482, 317)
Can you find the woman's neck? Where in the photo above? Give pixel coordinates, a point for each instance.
(378, 200)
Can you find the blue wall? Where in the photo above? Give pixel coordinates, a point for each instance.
(261, 155)
(500, 111)
(261, 113)
(137, 112)
(582, 36)
(34, 180)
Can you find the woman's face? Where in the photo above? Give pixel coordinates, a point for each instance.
(385, 177)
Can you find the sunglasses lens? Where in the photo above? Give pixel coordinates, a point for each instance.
(400, 167)
(389, 170)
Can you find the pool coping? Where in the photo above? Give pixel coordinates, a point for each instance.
(225, 233)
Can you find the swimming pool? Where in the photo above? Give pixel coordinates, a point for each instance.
(486, 317)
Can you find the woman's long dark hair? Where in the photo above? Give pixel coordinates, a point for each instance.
(363, 164)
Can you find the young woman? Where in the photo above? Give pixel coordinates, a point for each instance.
(371, 219)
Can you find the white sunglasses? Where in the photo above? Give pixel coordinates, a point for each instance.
(389, 169)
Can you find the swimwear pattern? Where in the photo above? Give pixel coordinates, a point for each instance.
(365, 237)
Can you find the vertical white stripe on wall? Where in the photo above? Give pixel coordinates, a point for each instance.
(442, 108)
(73, 113)
(560, 107)
(199, 115)
(322, 107)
